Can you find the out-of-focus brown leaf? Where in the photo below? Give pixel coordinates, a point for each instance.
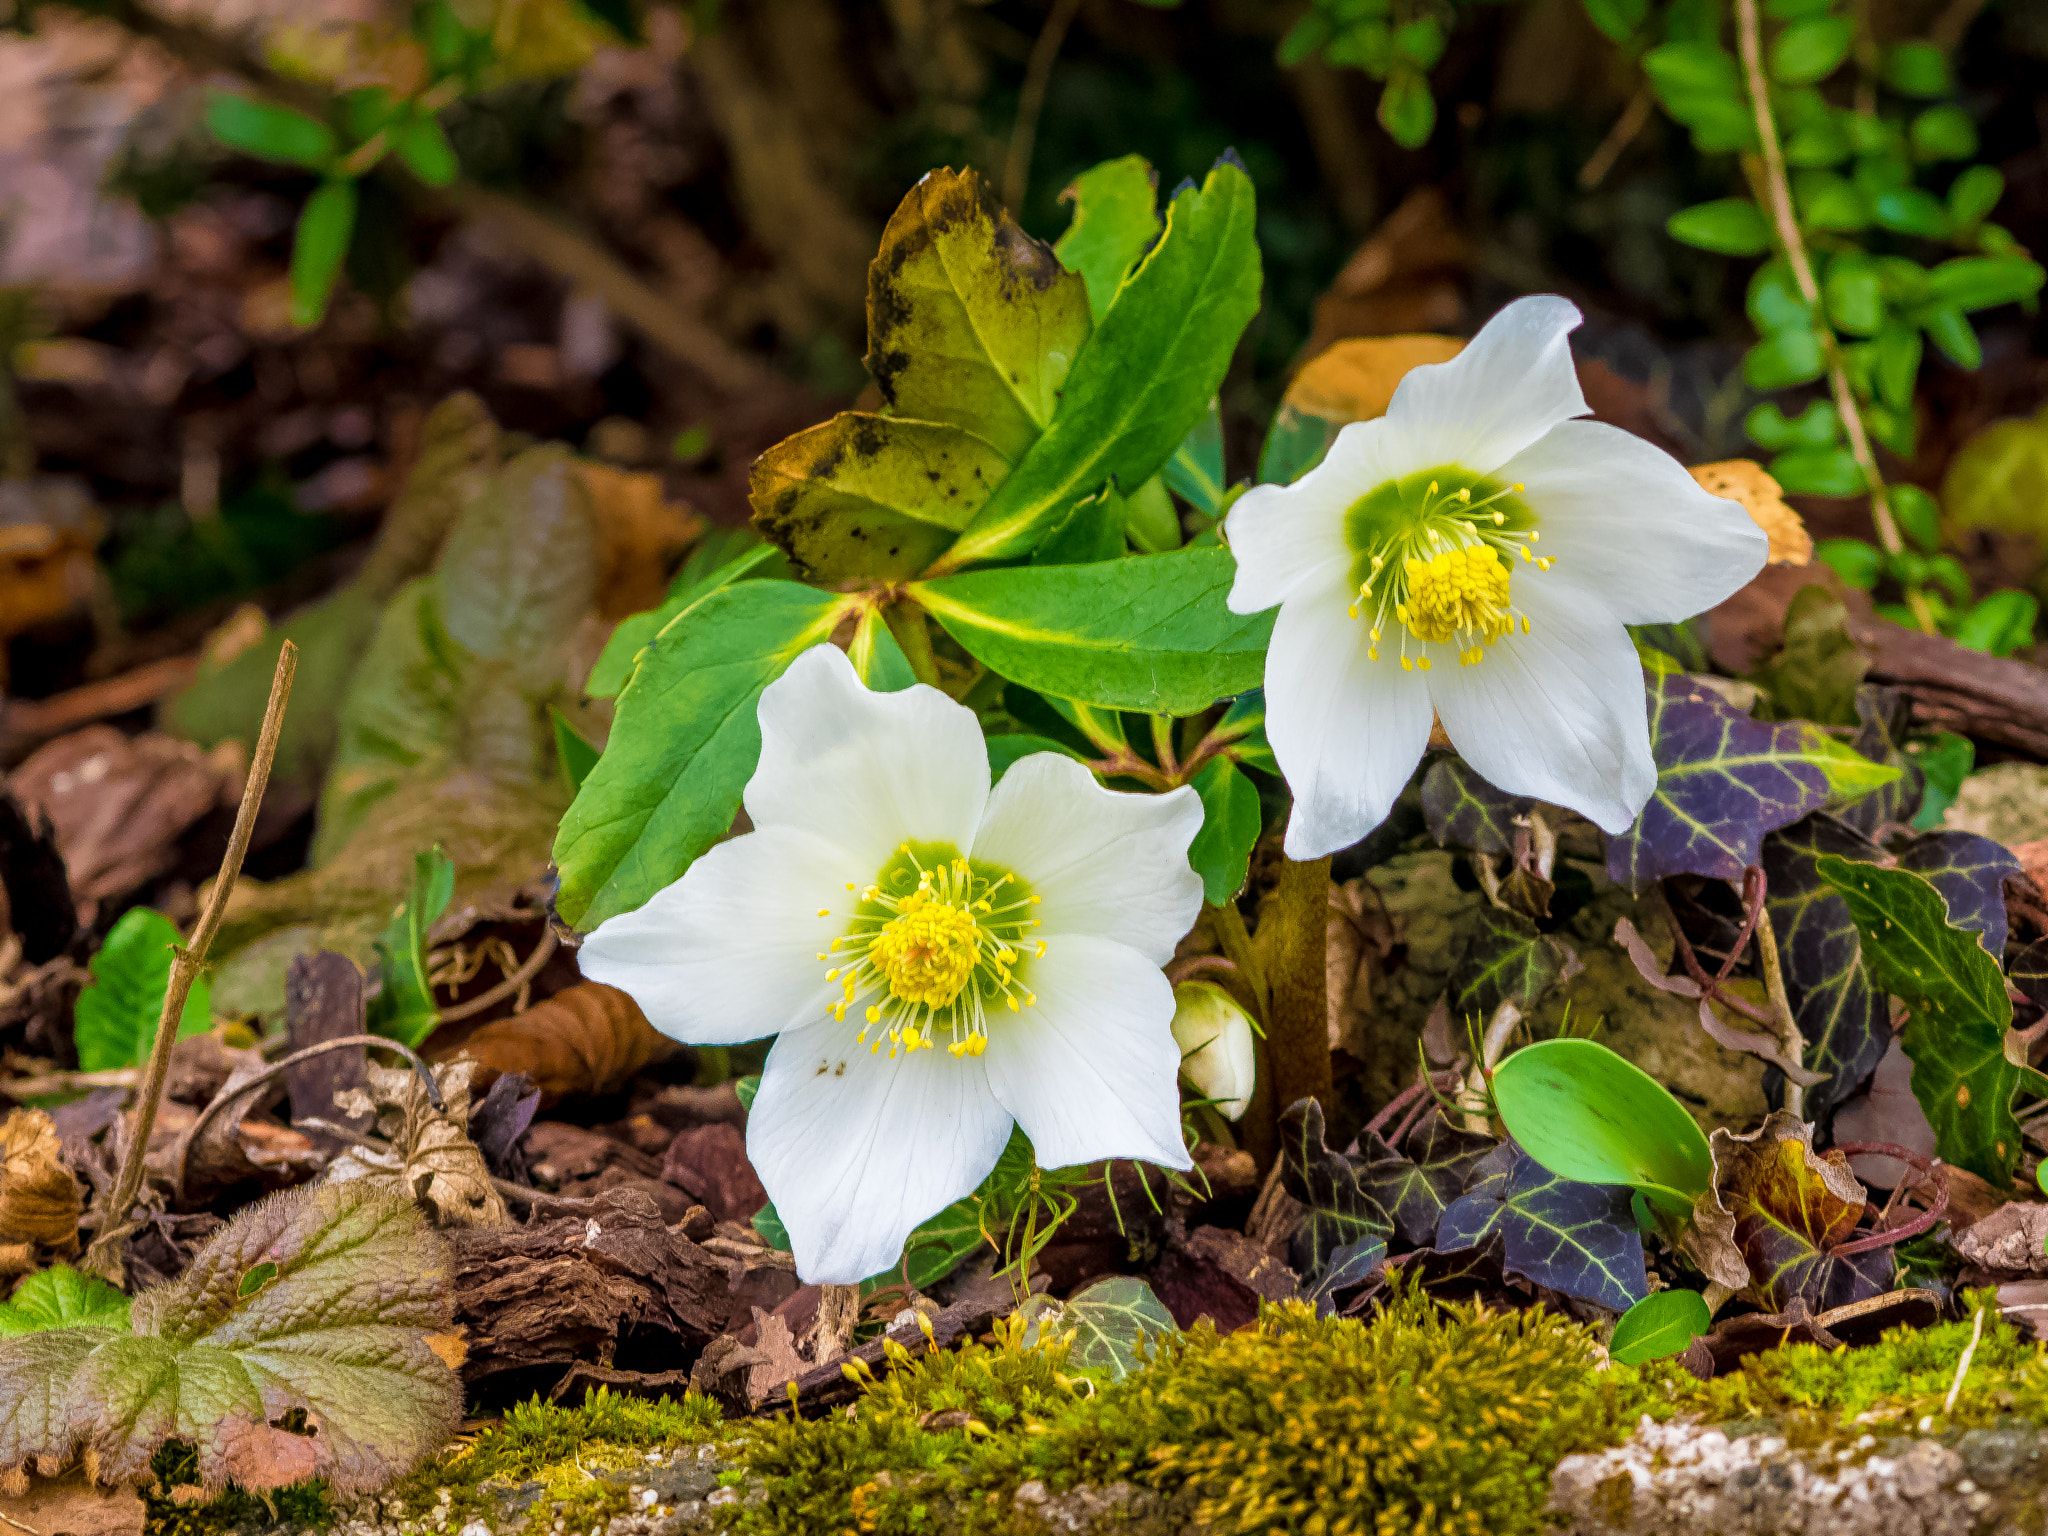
(72, 1506)
(586, 1040)
(640, 535)
(1748, 482)
(1361, 935)
(1355, 379)
(39, 1200)
(48, 530)
(430, 1158)
(1408, 277)
(120, 804)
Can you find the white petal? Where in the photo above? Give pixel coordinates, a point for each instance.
(856, 1149)
(1558, 713)
(1348, 731)
(1090, 1070)
(869, 771)
(1104, 863)
(730, 951)
(1625, 520)
(1512, 384)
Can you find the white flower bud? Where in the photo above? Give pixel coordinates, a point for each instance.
(1217, 1058)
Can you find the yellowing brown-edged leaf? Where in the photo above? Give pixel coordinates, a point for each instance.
(1748, 482)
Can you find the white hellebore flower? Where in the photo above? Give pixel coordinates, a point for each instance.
(1218, 1059)
(937, 961)
(1475, 552)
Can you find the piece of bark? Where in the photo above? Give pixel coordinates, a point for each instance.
(36, 1013)
(323, 999)
(579, 1164)
(679, 1106)
(1223, 1276)
(35, 895)
(826, 1387)
(568, 1289)
(581, 1379)
(2008, 1242)
(710, 1163)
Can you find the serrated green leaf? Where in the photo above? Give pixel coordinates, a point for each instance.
(338, 1335)
(1659, 1326)
(1149, 633)
(114, 1021)
(405, 1009)
(1221, 852)
(684, 742)
(573, 755)
(1116, 219)
(60, 1297)
(971, 322)
(1956, 1034)
(1147, 374)
(866, 498)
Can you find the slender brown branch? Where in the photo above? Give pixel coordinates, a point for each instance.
(1791, 1043)
(1634, 118)
(1775, 193)
(1031, 100)
(104, 1257)
(1709, 987)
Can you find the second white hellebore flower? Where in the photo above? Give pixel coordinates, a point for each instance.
(937, 961)
(1474, 554)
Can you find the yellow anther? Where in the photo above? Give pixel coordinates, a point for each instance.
(1407, 665)
(824, 911)
(874, 1014)
(1423, 664)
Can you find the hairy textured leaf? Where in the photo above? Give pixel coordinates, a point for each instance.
(1723, 781)
(114, 1021)
(1416, 1186)
(1149, 633)
(1956, 1035)
(1463, 810)
(1340, 1212)
(684, 743)
(1146, 376)
(318, 1301)
(872, 498)
(970, 320)
(1506, 960)
(1659, 1326)
(1115, 1319)
(60, 1297)
(1116, 217)
(1578, 1239)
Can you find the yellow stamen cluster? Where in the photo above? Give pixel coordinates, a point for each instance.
(935, 956)
(1441, 568)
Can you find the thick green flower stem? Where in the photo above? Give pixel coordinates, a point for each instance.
(1298, 1022)
(907, 623)
(1774, 191)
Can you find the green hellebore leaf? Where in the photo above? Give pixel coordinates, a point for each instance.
(1195, 472)
(684, 742)
(877, 658)
(114, 1020)
(1659, 1326)
(1231, 821)
(692, 585)
(1956, 1034)
(1242, 730)
(269, 132)
(1733, 226)
(1116, 219)
(405, 1009)
(326, 225)
(573, 755)
(872, 498)
(60, 1297)
(1149, 633)
(1592, 1116)
(971, 322)
(1810, 50)
(1147, 375)
(1004, 752)
(1150, 521)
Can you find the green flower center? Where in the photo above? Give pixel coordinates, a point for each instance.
(1433, 554)
(940, 938)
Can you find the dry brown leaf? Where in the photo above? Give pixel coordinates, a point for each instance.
(1354, 380)
(1748, 482)
(1409, 276)
(39, 1199)
(72, 1506)
(587, 1039)
(641, 533)
(429, 1157)
(48, 529)
(452, 1346)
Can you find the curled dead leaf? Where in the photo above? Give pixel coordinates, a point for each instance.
(586, 1039)
(428, 1156)
(640, 533)
(39, 1199)
(1355, 380)
(1748, 482)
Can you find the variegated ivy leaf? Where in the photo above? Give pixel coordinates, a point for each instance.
(1462, 809)
(318, 1302)
(1417, 1185)
(1505, 959)
(1724, 781)
(1340, 1212)
(1577, 1239)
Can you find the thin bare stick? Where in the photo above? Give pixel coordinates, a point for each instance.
(1031, 100)
(528, 969)
(1634, 118)
(1963, 1365)
(1791, 1044)
(1774, 191)
(104, 1257)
